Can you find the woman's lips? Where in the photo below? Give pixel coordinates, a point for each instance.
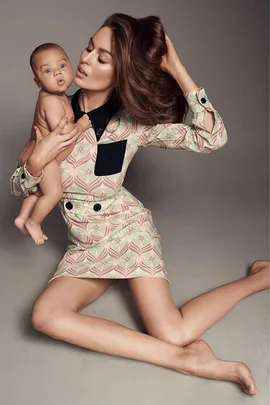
(80, 72)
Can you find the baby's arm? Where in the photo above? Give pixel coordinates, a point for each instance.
(53, 109)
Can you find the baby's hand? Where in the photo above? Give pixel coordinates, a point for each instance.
(84, 122)
(67, 128)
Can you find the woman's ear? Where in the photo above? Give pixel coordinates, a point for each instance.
(37, 82)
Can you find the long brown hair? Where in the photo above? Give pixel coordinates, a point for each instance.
(148, 93)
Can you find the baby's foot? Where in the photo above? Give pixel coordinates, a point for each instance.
(20, 224)
(35, 232)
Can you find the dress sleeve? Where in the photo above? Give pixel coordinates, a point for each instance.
(194, 137)
(22, 183)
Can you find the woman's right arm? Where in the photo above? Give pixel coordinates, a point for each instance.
(25, 179)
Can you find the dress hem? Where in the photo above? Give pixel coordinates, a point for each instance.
(109, 278)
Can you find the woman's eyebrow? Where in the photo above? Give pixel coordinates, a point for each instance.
(101, 49)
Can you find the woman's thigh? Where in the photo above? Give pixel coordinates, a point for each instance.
(69, 293)
(158, 311)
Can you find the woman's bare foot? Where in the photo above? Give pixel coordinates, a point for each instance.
(20, 224)
(35, 232)
(261, 270)
(201, 361)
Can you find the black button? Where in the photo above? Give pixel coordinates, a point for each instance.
(203, 100)
(97, 207)
(99, 131)
(22, 176)
(69, 205)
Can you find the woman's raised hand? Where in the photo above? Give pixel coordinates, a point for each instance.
(170, 61)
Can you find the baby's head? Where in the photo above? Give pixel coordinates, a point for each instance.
(52, 68)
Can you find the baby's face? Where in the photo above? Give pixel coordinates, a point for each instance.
(53, 71)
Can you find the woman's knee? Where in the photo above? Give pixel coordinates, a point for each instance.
(259, 264)
(48, 319)
(179, 336)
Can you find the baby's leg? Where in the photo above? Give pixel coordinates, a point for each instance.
(51, 187)
(26, 209)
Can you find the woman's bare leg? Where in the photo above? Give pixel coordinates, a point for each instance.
(51, 187)
(25, 212)
(164, 320)
(204, 311)
(55, 313)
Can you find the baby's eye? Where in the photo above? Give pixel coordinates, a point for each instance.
(47, 70)
(88, 49)
(63, 65)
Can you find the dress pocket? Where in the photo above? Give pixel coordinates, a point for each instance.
(110, 158)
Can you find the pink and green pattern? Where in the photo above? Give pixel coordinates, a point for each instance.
(120, 240)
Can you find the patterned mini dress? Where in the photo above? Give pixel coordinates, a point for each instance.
(111, 235)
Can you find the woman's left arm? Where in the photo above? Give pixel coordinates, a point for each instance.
(207, 132)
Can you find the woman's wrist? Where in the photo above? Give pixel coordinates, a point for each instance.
(185, 82)
(174, 67)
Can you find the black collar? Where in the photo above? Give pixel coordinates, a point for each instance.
(100, 117)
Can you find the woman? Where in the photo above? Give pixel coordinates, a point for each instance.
(131, 102)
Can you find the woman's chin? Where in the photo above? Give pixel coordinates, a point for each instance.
(78, 81)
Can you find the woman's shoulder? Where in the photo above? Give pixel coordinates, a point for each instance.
(128, 120)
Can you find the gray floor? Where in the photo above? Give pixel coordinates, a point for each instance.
(212, 211)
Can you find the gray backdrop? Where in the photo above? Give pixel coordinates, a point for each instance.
(211, 210)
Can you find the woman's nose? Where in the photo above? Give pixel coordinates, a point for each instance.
(87, 57)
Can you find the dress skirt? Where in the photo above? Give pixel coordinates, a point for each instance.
(114, 238)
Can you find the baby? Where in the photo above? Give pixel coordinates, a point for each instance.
(53, 75)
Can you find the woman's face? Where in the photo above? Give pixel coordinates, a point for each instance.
(96, 68)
